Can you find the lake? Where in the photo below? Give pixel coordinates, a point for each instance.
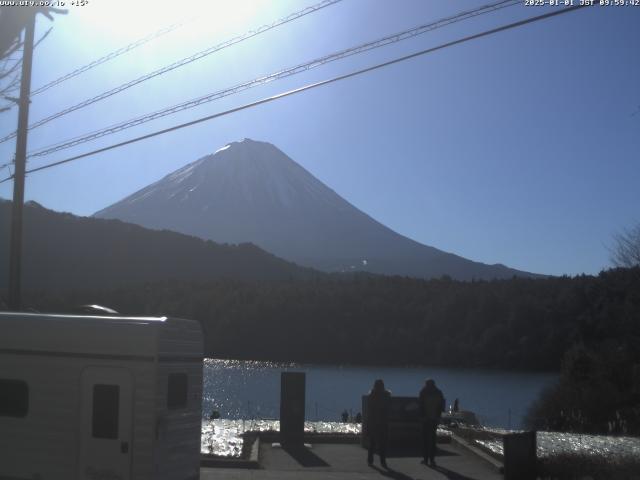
(251, 389)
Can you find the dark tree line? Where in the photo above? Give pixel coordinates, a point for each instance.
(253, 305)
(514, 324)
(598, 392)
(587, 327)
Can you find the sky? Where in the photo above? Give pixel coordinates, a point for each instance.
(520, 148)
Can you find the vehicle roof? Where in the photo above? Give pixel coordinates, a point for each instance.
(69, 316)
(92, 335)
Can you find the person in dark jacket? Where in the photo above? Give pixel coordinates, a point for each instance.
(431, 408)
(377, 419)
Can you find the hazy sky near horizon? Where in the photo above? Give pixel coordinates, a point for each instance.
(521, 148)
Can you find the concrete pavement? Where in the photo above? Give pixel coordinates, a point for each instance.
(349, 462)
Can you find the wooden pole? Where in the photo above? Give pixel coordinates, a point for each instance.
(15, 253)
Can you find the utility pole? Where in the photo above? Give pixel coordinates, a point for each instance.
(15, 252)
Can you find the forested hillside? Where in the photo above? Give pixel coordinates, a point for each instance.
(515, 324)
(587, 327)
(63, 251)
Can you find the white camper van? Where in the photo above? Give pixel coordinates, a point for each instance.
(99, 397)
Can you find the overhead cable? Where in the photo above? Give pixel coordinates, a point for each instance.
(396, 37)
(109, 56)
(179, 63)
(308, 87)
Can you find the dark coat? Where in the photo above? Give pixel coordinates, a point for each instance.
(378, 410)
(431, 403)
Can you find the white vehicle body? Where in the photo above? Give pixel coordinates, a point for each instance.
(99, 397)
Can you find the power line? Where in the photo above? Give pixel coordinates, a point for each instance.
(310, 86)
(101, 60)
(14, 83)
(396, 37)
(110, 56)
(179, 63)
(4, 72)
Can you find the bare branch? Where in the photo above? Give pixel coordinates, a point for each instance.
(4, 72)
(11, 85)
(44, 35)
(626, 248)
(13, 49)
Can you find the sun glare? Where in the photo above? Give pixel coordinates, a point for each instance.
(127, 20)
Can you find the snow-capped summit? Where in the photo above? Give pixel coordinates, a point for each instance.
(250, 191)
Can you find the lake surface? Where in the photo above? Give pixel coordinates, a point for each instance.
(251, 389)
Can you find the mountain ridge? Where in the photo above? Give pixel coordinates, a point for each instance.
(250, 191)
(62, 251)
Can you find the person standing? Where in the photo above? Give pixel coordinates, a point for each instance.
(431, 408)
(377, 421)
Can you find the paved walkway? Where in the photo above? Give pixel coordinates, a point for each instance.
(348, 462)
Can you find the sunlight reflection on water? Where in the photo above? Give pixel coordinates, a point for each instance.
(250, 390)
(223, 436)
(555, 443)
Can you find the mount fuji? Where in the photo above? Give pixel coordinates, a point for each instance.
(251, 191)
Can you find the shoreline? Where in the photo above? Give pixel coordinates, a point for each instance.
(327, 363)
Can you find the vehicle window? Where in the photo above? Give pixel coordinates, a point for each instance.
(106, 406)
(177, 391)
(14, 398)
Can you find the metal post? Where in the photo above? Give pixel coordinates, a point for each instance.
(15, 253)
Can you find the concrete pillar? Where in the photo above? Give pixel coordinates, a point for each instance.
(292, 407)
